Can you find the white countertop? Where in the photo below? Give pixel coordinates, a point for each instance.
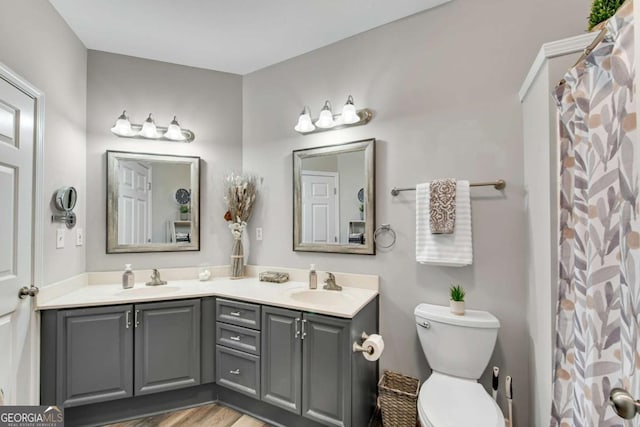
(295, 295)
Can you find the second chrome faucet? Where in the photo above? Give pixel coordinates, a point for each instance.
(155, 279)
(331, 284)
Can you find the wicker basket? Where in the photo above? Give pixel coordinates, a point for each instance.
(398, 399)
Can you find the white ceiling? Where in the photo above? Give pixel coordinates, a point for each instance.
(237, 36)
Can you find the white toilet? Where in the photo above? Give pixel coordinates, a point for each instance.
(458, 349)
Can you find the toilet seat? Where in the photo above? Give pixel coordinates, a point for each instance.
(446, 401)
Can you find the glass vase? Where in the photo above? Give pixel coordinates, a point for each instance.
(237, 259)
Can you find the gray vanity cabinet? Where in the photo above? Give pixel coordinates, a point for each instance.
(326, 370)
(306, 364)
(97, 354)
(94, 355)
(281, 358)
(167, 345)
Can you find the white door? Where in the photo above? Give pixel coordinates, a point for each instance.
(320, 220)
(134, 197)
(17, 143)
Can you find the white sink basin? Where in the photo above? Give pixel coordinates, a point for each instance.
(148, 290)
(320, 297)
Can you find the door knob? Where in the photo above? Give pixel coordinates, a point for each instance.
(27, 291)
(623, 403)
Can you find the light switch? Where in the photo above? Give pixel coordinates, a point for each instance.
(60, 238)
(79, 237)
(258, 233)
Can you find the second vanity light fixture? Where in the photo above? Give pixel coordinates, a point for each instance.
(329, 121)
(148, 130)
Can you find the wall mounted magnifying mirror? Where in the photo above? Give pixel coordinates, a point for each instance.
(65, 200)
(334, 198)
(153, 203)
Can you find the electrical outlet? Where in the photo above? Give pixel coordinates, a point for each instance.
(60, 238)
(258, 233)
(79, 237)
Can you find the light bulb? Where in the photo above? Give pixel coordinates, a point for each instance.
(326, 117)
(349, 114)
(174, 132)
(122, 127)
(304, 122)
(149, 129)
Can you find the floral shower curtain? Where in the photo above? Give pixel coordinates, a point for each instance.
(597, 341)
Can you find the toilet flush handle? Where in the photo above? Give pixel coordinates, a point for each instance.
(425, 324)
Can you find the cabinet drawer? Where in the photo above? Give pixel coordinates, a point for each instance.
(239, 338)
(238, 371)
(238, 313)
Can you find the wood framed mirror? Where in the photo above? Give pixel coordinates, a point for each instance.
(153, 203)
(334, 198)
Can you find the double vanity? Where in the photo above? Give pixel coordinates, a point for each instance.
(281, 352)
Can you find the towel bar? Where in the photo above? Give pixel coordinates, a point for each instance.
(498, 185)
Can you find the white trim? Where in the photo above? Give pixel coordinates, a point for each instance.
(37, 265)
(551, 50)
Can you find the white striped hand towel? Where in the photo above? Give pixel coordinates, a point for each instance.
(453, 250)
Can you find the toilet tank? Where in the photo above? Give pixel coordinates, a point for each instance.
(456, 345)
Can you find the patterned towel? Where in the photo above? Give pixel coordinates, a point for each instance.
(453, 250)
(442, 206)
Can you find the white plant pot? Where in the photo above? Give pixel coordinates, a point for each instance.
(457, 307)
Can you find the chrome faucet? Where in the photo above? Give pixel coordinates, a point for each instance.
(331, 283)
(155, 279)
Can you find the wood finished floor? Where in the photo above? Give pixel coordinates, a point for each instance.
(208, 415)
(213, 415)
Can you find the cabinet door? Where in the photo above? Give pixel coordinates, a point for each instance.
(281, 358)
(326, 370)
(95, 355)
(167, 346)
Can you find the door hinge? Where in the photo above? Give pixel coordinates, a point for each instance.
(335, 191)
(149, 186)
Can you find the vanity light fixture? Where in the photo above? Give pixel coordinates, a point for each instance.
(148, 130)
(329, 121)
(122, 126)
(304, 121)
(325, 121)
(174, 132)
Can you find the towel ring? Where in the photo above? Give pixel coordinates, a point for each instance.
(382, 228)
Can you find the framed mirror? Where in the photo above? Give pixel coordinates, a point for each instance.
(153, 203)
(334, 198)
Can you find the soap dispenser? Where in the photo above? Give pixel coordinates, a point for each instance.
(128, 279)
(313, 277)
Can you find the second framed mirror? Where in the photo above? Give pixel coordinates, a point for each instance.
(334, 198)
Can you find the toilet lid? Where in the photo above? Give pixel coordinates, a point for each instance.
(446, 401)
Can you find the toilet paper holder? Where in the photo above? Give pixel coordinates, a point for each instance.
(358, 346)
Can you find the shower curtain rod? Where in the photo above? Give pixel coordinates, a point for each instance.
(587, 50)
(498, 185)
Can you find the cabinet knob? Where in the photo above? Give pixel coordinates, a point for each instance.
(235, 313)
(236, 338)
(235, 372)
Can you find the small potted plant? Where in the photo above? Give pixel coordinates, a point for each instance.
(184, 212)
(361, 209)
(456, 301)
(601, 11)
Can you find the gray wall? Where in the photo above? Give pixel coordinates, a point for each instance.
(443, 85)
(207, 102)
(36, 43)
